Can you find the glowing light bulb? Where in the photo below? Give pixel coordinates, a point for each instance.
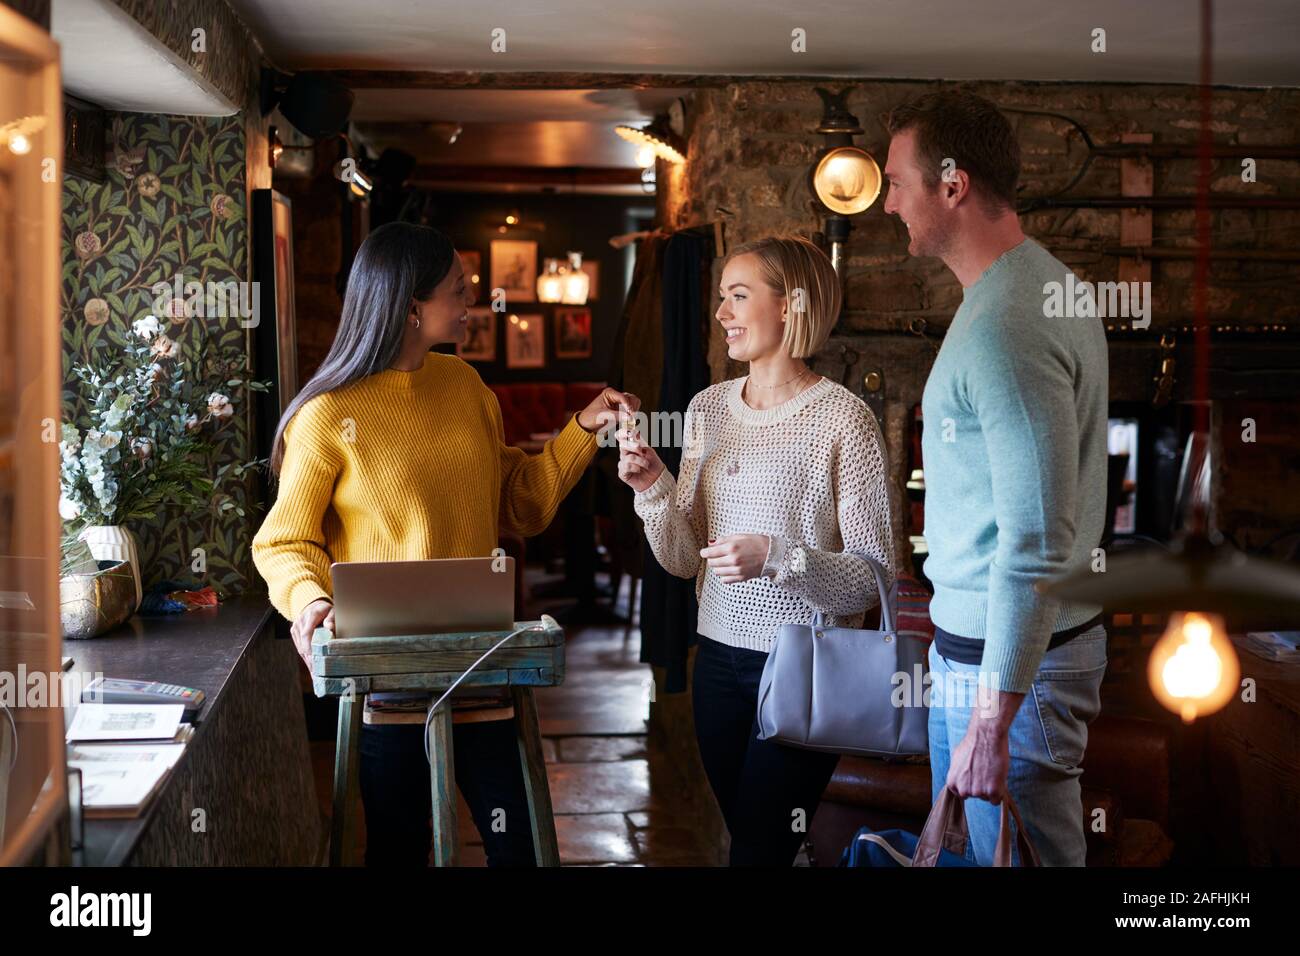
(1193, 668)
(645, 156)
(19, 144)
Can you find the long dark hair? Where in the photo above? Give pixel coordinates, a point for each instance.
(397, 264)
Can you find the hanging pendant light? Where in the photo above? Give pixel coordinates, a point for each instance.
(550, 284)
(575, 282)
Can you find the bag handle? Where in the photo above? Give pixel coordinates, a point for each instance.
(886, 602)
(946, 829)
(1002, 852)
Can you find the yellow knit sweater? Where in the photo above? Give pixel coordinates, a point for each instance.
(405, 466)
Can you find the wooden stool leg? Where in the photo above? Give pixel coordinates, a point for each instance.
(347, 782)
(442, 780)
(533, 761)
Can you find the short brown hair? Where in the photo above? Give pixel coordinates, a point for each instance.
(797, 269)
(970, 130)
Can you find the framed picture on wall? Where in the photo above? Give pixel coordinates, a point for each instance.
(514, 268)
(480, 343)
(525, 341)
(592, 268)
(572, 333)
(472, 260)
(275, 336)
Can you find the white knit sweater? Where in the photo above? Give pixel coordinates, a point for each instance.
(811, 474)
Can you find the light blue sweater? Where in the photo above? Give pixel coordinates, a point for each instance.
(1014, 448)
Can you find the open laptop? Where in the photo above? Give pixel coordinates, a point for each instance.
(447, 595)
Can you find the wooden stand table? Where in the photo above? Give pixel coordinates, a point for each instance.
(349, 668)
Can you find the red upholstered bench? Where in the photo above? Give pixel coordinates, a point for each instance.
(528, 408)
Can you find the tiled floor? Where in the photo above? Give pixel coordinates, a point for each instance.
(616, 802)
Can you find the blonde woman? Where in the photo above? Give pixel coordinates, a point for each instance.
(782, 489)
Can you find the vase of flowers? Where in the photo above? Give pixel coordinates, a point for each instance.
(145, 442)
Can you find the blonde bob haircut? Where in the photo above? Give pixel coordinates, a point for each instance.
(797, 269)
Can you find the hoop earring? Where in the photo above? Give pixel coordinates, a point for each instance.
(417, 323)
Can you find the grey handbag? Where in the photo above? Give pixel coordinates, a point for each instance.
(835, 689)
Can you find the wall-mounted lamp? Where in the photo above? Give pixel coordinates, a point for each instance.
(566, 284)
(845, 179)
(550, 284)
(659, 137)
(17, 134)
(274, 146)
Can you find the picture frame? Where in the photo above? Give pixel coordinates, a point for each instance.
(480, 342)
(472, 260)
(573, 333)
(514, 268)
(525, 341)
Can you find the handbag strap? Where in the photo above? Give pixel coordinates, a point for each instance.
(945, 829)
(886, 600)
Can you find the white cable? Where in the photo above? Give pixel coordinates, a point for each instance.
(546, 623)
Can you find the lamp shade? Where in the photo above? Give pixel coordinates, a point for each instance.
(575, 282)
(1202, 576)
(659, 137)
(847, 180)
(550, 284)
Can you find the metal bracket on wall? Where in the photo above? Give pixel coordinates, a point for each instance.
(1165, 380)
(873, 393)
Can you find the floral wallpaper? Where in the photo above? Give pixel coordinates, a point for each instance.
(173, 205)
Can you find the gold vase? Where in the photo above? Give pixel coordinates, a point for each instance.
(91, 604)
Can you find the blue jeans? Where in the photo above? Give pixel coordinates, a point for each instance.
(1047, 742)
(767, 792)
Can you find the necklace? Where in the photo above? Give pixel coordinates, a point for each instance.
(782, 384)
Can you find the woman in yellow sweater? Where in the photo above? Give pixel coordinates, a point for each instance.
(395, 453)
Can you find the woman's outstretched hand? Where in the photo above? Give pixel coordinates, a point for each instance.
(604, 408)
(319, 613)
(639, 465)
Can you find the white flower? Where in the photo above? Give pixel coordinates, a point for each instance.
(219, 406)
(69, 510)
(166, 347)
(147, 327)
(70, 440)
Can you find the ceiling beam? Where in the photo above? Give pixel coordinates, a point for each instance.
(474, 80)
(544, 175)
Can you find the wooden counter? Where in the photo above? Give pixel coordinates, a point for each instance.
(247, 767)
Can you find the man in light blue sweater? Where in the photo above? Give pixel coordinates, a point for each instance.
(1014, 449)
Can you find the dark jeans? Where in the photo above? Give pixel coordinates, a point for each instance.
(761, 786)
(395, 791)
